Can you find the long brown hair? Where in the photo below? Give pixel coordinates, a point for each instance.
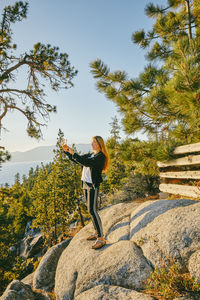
(102, 146)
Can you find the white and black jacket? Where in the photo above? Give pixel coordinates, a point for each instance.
(95, 163)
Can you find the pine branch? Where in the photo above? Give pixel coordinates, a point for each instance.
(143, 39)
(111, 92)
(159, 52)
(102, 85)
(28, 93)
(27, 114)
(153, 11)
(8, 71)
(117, 76)
(135, 85)
(3, 114)
(139, 38)
(99, 69)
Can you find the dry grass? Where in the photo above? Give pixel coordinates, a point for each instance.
(73, 231)
(141, 200)
(52, 295)
(40, 294)
(174, 197)
(170, 281)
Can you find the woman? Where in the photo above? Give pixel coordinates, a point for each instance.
(93, 165)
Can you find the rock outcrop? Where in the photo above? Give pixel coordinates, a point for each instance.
(167, 229)
(31, 246)
(138, 237)
(32, 243)
(35, 285)
(44, 276)
(28, 279)
(194, 265)
(18, 290)
(106, 292)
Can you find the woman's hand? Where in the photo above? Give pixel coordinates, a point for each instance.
(67, 148)
(70, 150)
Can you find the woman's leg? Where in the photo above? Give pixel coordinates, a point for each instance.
(92, 196)
(86, 194)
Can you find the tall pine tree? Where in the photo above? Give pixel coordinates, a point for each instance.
(41, 208)
(62, 171)
(41, 62)
(116, 171)
(164, 101)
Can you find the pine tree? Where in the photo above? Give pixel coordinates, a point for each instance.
(15, 204)
(116, 171)
(9, 236)
(67, 176)
(32, 175)
(55, 195)
(140, 159)
(42, 62)
(78, 191)
(40, 195)
(4, 156)
(164, 100)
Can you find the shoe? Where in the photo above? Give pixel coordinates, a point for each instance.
(93, 236)
(98, 244)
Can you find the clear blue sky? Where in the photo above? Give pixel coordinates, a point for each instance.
(86, 30)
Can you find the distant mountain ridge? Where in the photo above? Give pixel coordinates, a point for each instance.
(43, 153)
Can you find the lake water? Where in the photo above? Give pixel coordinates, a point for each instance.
(9, 170)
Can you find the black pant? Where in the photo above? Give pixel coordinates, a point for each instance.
(91, 196)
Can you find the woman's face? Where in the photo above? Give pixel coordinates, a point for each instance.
(95, 146)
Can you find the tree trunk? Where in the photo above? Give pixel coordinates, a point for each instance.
(187, 3)
(55, 212)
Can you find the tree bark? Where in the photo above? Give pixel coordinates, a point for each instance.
(187, 3)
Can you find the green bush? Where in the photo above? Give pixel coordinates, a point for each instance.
(169, 282)
(134, 186)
